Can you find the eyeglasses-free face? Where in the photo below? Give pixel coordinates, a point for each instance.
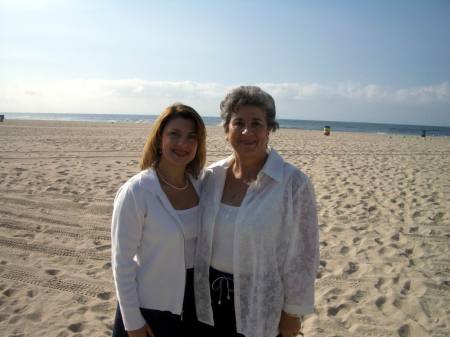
(248, 132)
(179, 142)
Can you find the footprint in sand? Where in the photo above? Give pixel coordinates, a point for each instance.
(416, 214)
(351, 268)
(395, 237)
(380, 301)
(358, 296)
(333, 311)
(379, 283)
(31, 293)
(372, 208)
(76, 327)
(404, 331)
(344, 250)
(379, 241)
(406, 287)
(105, 295)
(9, 292)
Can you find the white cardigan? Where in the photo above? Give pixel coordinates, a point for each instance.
(276, 246)
(147, 246)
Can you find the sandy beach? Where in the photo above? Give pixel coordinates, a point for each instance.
(384, 215)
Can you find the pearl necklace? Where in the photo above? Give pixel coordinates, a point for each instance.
(173, 186)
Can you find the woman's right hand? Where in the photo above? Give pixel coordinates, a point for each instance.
(145, 331)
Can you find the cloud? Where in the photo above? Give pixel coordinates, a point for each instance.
(107, 96)
(347, 100)
(351, 91)
(424, 94)
(144, 89)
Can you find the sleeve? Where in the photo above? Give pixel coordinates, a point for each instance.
(302, 258)
(126, 232)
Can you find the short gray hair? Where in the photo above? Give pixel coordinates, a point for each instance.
(248, 95)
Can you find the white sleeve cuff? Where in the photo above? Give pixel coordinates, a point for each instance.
(132, 318)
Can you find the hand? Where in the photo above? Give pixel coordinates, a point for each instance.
(145, 331)
(289, 325)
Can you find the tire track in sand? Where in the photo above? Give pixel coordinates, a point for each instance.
(51, 250)
(78, 287)
(27, 227)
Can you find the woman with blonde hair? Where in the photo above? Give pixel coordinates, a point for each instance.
(154, 230)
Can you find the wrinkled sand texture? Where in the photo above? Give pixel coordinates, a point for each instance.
(383, 203)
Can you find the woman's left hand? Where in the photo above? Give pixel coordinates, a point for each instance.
(289, 326)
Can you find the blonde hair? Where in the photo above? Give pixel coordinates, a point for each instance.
(152, 148)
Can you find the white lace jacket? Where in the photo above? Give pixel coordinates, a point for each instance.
(276, 246)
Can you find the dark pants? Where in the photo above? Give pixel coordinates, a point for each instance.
(221, 287)
(222, 300)
(164, 323)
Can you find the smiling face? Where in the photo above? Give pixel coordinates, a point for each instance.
(248, 132)
(178, 143)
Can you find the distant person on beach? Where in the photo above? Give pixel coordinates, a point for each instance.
(154, 230)
(258, 248)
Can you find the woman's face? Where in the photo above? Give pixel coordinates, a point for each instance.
(248, 132)
(179, 142)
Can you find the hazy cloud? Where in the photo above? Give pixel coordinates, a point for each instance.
(369, 92)
(294, 100)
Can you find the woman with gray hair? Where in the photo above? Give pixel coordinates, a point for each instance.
(257, 252)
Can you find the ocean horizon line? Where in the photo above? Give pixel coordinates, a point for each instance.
(285, 123)
(211, 116)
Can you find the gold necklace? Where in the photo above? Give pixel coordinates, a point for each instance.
(173, 186)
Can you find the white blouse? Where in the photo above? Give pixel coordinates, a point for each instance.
(276, 246)
(189, 221)
(222, 253)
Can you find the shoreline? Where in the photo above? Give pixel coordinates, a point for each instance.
(336, 126)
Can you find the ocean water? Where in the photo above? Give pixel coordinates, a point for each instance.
(284, 123)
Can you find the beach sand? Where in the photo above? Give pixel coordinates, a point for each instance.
(384, 215)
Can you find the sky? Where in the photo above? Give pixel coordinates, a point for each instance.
(364, 61)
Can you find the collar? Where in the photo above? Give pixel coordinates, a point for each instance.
(149, 181)
(273, 166)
